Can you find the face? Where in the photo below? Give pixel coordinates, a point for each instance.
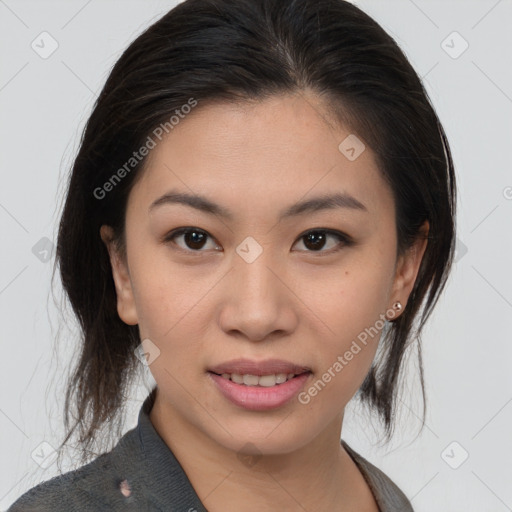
(257, 277)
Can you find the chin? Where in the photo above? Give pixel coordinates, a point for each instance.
(268, 437)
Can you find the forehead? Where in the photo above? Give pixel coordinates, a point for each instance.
(262, 154)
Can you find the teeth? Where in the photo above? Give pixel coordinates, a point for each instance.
(251, 380)
(256, 380)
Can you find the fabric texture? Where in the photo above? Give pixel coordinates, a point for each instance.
(156, 482)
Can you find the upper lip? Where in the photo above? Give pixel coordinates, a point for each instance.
(267, 367)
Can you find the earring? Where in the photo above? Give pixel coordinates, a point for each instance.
(397, 307)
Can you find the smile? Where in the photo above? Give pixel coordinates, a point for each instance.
(259, 392)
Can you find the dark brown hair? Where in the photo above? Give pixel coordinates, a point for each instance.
(237, 50)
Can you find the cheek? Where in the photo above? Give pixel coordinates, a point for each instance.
(353, 307)
(173, 309)
(360, 294)
(166, 295)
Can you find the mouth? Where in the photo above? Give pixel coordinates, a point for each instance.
(259, 386)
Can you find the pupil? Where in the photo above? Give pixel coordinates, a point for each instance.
(317, 240)
(194, 237)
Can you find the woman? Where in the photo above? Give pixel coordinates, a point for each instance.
(262, 213)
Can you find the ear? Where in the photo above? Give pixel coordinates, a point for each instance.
(125, 301)
(408, 266)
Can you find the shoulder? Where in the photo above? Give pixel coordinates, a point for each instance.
(387, 494)
(70, 491)
(92, 487)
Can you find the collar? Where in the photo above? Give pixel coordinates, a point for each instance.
(166, 484)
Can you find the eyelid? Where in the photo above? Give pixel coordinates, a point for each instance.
(328, 231)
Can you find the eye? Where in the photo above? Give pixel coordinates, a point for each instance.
(193, 238)
(316, 240)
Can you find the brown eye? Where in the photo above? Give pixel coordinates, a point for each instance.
(193, 239)
(316, 240)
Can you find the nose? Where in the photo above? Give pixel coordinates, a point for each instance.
(258, 301)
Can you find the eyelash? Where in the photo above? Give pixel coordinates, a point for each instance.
(346, 241)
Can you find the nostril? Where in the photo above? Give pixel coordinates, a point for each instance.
(125, 489)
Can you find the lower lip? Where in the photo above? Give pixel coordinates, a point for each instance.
(259, 398)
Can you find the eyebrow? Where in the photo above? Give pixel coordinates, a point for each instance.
(203, 204)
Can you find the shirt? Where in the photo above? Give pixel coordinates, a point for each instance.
(142, 474)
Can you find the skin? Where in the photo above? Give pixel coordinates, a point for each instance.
(208, 305)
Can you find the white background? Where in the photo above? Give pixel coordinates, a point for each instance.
(467, 346)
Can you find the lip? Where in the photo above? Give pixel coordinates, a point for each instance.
(259, 368)
(259, 398)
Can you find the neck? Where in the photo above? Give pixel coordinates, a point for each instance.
(317, 476)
